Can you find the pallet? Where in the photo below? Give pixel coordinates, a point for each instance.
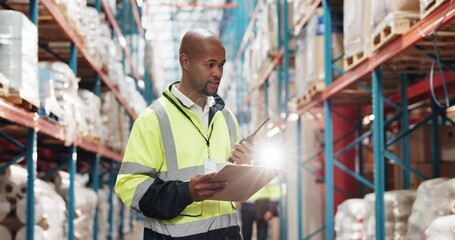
(392, 30)
(48, 115)
(4, 86)
(316, 87)
(354, 60)
(304, 99)
(17, 100)
(430, 7)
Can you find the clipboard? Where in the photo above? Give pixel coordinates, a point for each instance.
(243, 181)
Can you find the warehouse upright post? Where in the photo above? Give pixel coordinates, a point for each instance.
(329, 186)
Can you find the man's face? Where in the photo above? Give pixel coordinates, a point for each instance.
(206, 68)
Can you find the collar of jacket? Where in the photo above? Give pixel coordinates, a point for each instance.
(218, 106)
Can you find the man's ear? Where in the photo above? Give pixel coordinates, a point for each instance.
(184, 61)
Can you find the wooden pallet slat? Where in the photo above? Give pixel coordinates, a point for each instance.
(316, 87)
(430, 7)
(351, 61)
(393, 29)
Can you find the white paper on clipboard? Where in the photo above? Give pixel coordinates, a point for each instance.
(243, 181)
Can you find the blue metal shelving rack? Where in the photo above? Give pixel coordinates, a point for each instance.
(398, 103)
(35, 124)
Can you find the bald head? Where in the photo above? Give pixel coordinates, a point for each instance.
(194, 42)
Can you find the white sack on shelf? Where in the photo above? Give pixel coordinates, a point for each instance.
(91, 114)
(356, 26)
(65, 87)
(5, 175)
(11, 187)
(19, 54)
(397, 206)
(349, 220)
(47, 91)
(435, 198)
(5, 207)
(21, 210)
(441, 228)
(5, 233)
(37, 235)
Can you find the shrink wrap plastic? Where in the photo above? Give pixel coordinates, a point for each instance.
(66, 92)
(47, 91)
(49, 207)
(398, 206)
(441, 228)
(91, 114)
(5, 233)
(435, 198)
(38, 234)
(116, 122)
(383, 12)
(310, 50)
(349, 220)
(14, 182)
(19, 55)
(84, 205)
(5, 207)
(356, 26)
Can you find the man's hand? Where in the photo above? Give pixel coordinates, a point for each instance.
(242, 153)
(201, 189)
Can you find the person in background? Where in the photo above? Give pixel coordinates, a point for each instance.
(260, 209)
(177, 144)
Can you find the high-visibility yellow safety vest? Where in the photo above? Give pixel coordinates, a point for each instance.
(165, 144)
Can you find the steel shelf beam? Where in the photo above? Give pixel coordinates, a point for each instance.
(417, 90)
(416, 33)
(137, 17)
(32, 120)
(75, 38)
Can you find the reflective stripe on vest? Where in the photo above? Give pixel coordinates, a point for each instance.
(173, 173)
(191, 228)
(231, 125)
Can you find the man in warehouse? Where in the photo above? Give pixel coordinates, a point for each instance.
(261, 208)
(177, 144)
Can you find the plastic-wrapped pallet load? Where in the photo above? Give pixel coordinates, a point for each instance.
(386, 12)
(115, 121)
(300, 60)
(85, 203)
(49, 207)
(13, 182)
(65, 90)
(38, 233)
(349, 220)
(128, 89)
(47, 91)
(314, 41)
(103, 212)
(435, 198)
(441, 228)
(19, 55)
(50, 210)
(356, 26)
(398, 206)
(91, 115)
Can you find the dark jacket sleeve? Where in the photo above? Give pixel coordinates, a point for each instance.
(165, 200)
(273, 207)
